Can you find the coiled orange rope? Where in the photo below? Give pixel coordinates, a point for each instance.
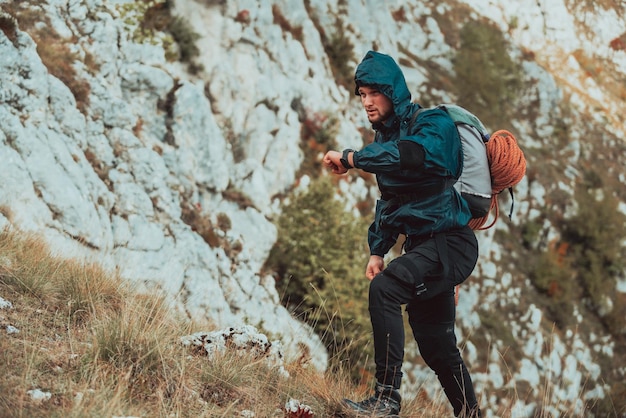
(508, 167)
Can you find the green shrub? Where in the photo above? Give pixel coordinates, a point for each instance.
(185, 37)
(152, 22)
(594, 234)
(320, 258)
(145, 19)
(530, 232)
(553, 276)
(487, 79)
(495, 329)
(339, 50)
(317, 137)
(586, 263)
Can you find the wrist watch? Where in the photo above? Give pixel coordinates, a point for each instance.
(344, 158)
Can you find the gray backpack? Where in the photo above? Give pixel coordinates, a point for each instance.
(474, 184)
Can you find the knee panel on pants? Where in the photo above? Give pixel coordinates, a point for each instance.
(386, 291)
(438, 349)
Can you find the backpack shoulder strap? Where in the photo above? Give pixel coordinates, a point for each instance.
(406, 128)
(415, 115)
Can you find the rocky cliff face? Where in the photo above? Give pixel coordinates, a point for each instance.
(173, 173)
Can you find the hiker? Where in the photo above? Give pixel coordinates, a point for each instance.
(416, 166)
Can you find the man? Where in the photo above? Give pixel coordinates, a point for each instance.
(416, 164)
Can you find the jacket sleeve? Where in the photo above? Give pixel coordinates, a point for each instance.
(435, 133)
(426, 147)
(378, 158)
(380, 241)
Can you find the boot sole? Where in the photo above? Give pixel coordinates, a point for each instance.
(352, 409)
(356, 414)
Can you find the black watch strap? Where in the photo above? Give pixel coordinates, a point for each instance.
(344, 158)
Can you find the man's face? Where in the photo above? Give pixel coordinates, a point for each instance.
(377, 106)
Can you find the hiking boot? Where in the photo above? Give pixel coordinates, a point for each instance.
(384, 403)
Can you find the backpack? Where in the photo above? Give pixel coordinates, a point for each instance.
(491, 163)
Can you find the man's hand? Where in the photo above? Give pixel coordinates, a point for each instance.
(375, 265)
(332, 160)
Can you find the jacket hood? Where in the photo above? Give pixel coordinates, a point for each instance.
(381, 71)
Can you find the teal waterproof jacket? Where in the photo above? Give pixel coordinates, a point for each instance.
(415, 164)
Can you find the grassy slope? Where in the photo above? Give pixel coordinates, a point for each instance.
(99, 349)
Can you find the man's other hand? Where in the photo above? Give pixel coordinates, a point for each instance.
(375, 265)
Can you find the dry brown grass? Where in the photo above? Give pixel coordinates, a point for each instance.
(100, 349)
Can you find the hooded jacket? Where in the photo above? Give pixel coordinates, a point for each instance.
(415, 164)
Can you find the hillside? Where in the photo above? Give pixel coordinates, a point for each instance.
(164, 139)
(80, 342)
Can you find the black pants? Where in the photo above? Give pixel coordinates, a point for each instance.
(424, 279)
